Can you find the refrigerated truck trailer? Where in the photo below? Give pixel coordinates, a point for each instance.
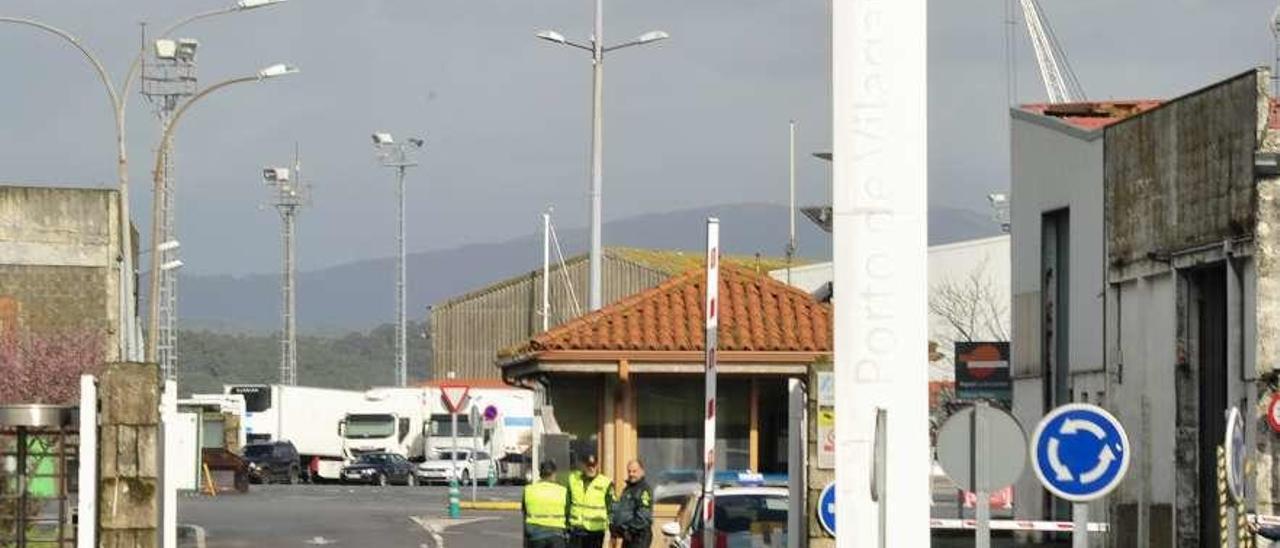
(508, 437)
(306, 416)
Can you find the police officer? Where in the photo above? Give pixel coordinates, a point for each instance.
(632, 518)
(546, 508)
(590, 496)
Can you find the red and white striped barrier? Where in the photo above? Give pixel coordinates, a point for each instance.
(1015, 525)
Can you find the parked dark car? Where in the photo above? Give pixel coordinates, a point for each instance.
(272, 462)
(380, 469)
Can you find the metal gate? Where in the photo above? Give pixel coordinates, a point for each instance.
(39, 449)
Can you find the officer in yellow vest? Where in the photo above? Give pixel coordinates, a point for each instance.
(546, 510)
(590, 496)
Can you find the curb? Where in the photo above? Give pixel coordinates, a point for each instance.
(490, 505)
(191, 535)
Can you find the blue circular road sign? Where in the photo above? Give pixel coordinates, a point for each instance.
(1235, 451)
(827, 508)
(1080, 452)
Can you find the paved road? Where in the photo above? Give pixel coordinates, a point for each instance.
(345, 515)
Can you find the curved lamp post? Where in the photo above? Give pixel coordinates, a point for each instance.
(598, 49)
(127, 335)
(158, 182)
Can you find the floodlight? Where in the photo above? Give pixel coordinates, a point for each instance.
(998, 199)
(417, 142)
(186, 50)
(166, 49)
(382, 139)
(171, 265)
(168, 246)
(275, 174)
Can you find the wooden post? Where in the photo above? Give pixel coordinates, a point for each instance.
(753, 446)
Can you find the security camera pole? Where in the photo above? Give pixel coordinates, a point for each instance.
(397, 155)
(290, 195)
(597, 50)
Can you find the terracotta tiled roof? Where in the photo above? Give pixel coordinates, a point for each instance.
(1095, 114)
(757, 313)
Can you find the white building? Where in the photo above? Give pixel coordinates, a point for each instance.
(972, 276)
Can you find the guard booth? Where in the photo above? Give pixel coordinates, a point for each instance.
(39, 466)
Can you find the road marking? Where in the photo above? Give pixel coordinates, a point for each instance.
(436, 527)
(320, 541)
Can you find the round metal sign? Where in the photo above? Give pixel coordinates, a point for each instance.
(1080, 452)
(982, 448)
(827, 509)
(1235, 449)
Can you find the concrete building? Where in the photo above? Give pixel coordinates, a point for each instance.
(467, 332)
(1144, 281)
(60, 262)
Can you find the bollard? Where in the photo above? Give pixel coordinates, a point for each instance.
(493, 475)
(454, 510)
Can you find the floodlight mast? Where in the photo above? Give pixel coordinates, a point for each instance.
(397, 155)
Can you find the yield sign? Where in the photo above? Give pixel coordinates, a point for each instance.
(454, 395)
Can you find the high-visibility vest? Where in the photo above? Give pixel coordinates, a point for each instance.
(588, 511)
(544, 504)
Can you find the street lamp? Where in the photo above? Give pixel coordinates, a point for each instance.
(397, 155)
(598, 50)
(128, 335)
(158, 183)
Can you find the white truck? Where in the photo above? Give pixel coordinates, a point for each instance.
(306, 416)
(508, 437)
(387, 420)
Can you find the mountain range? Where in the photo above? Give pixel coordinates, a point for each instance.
(360, 295)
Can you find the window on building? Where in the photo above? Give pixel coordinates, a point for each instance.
(670, 426)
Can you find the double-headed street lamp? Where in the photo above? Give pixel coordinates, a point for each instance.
(598, 49)
(158, 181)
(129, 347)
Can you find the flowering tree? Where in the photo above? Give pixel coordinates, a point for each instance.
(46, 367)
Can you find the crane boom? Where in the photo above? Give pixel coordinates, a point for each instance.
(1059, 80)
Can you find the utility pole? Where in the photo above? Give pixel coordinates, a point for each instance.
(290, 194)
(397, 155)
(791, 207)
(166, 82)
(546, 270)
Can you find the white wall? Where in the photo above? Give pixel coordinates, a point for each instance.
(1054, 166)
(950, 263)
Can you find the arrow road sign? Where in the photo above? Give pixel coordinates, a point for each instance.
(1080, 452)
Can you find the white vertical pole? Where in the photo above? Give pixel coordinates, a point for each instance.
(546, 271)
(711, 311)
(168, 462)
(87, 504)
(879, 84)
(791, 208)
(797, 445)
(597, 157)
(1080, 530)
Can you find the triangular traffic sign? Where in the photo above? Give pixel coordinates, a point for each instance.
(454, 395)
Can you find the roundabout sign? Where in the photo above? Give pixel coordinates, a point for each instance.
(1080, 452)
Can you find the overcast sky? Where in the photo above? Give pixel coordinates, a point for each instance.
(699, 119)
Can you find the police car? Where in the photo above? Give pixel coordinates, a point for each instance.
(749, 513)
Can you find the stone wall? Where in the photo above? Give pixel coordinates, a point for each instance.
(129, 426)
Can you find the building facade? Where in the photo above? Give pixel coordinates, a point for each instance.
(60, 263)
(1144, 281)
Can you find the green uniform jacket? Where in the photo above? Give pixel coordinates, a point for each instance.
(634, 510)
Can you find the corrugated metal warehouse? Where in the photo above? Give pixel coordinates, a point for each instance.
(468, 331)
